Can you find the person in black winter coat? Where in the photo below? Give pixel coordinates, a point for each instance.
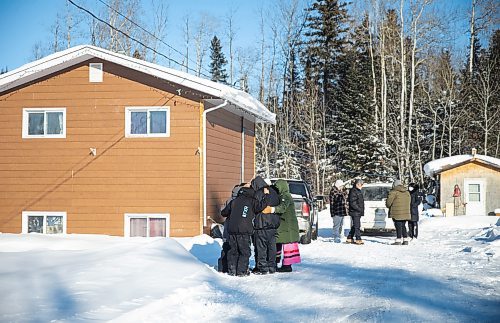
(265, 225)
(241, 213)
(416, 199)
(356, 211)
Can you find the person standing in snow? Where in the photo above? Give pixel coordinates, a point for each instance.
(415, 201)
(222, 261)
(338, 208)
(398, 203)
(241, 213)
(265, 225)
(356, 211)
(288, 231)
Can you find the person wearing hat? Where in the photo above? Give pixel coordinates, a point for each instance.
(356, 211)
(398, 203)
(338, 208)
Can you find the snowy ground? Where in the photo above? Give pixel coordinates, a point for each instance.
(451, 274)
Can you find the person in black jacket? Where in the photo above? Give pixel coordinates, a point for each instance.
(416, 199)
(356, 211)
(241, 213)
(265, 225)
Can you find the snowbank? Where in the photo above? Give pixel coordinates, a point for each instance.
(89, 277)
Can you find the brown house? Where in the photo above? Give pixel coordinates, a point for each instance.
(467, 184)
(96, 142)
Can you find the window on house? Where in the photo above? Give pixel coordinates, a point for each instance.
(474, 193)
(95, 72)
(147, 225)
(147, 122)
(44, 222)
(44, 123)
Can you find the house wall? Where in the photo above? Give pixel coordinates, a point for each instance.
(470, 170)
(224, 169)
(128, 175)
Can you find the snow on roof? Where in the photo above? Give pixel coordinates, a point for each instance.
(439, 165)
(77, 54)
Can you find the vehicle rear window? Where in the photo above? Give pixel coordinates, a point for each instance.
(297, 188)
(376, 193)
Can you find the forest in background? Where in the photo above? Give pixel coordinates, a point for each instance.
(372, 88)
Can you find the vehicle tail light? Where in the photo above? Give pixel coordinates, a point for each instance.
(305, 209)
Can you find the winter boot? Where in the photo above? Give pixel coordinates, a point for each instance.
(285, 269)
(397, 242)
(349, 240)
(359, 242)
(405, 242)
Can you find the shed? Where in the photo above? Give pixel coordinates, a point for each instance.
(467, 184)
(96, 142)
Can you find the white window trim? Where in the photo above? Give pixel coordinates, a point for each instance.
(26, 112)
(147, 216)
(95, 73)
(128, 114)
(26, 214)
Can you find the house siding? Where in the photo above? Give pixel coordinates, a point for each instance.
(224, 157)
(457, 175)
(128, 175)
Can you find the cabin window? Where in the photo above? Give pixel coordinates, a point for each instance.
(147, 122)
(44, 123)
(474, 193)
(147, 225)
(95, 72)
(43, 222)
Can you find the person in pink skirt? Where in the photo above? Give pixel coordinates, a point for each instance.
(287, 240)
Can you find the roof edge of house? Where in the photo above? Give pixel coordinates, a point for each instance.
(60, 60)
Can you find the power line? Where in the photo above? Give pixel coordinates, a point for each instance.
(151, 34)
(132, 38)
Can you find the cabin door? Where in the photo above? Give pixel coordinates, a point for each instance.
(475, 196)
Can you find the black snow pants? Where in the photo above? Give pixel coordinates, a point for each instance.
(355, 228)
(400, 228)
(222, 261)
(265, 250)
(238, 254)
(413, 229)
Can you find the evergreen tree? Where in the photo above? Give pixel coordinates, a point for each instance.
(325, 39)
(360, 153)
(218, 62)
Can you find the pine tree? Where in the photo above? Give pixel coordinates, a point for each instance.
(360, 151)
(218, 62)
(325, 40)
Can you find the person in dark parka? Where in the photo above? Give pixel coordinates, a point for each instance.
(356, 211)
(241, 213)
(416, 199)
(265, 225)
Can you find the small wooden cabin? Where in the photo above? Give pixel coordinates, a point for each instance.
(95, 142)
(467, 184)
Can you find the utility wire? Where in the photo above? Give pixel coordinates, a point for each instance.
(151, 34)
(132, 38)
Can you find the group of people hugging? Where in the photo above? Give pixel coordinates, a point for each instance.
(263, 213)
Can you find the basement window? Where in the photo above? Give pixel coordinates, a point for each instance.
(95, 72)
(147, 225)
(44, 123)
(147, 122)
(44, 222)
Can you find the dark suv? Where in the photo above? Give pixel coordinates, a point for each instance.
(305, 209)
